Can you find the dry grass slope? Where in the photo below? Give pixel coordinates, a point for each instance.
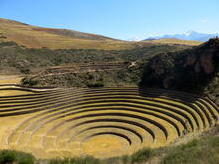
(175, 41)
(38, 37)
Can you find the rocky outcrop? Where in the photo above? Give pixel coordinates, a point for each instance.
(193, 70)
(205, 57)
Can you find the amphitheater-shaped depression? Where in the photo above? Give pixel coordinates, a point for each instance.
(103, 122)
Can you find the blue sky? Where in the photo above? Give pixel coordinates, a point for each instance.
(122, 19)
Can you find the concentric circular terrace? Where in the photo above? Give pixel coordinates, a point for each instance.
(103, 122)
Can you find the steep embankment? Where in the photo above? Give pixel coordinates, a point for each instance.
(193, 70)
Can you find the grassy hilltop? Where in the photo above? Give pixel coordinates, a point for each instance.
(36, 37)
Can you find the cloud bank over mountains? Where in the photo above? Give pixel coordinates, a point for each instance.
(190, 35)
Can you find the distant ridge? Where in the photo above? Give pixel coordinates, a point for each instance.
(62, 32)
(174, 41)
(53, 38)
(190, 35)
(40, 37)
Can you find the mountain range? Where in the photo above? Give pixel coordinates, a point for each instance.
(190, 35)
(31, 36)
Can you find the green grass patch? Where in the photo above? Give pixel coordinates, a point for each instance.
(200, 151)
(142, 155)
(79, 160)
(10, 156)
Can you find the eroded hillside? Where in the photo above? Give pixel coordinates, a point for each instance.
(193, 70)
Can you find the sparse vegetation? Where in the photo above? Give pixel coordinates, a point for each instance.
(14, 56)
(141, 155)
(29, 82)
(193, 70)
(175, 41)
(79, 160)
(204, 150)
(14, 157)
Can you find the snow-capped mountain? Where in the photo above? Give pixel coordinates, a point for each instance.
(190, 35)
(136, 39)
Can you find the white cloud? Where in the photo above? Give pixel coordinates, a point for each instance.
(135, 38)
(204, 20)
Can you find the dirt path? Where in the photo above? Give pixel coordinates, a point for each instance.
(10, 79)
